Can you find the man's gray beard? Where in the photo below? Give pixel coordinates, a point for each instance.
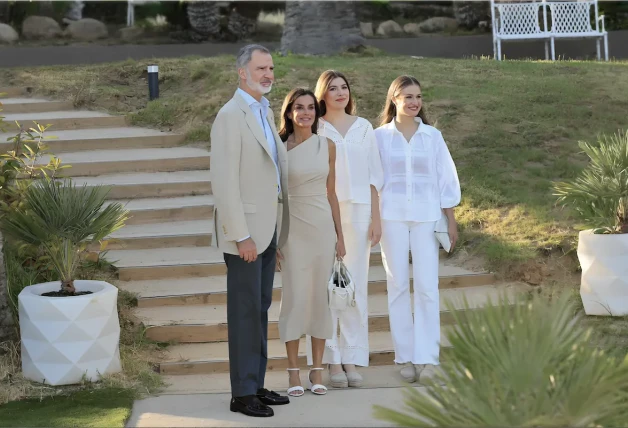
(256, 86)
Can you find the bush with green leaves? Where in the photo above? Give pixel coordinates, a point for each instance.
(20, 166)
(527, 364)
(62, 220)
(599, 194)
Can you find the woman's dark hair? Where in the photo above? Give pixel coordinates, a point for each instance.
(323, 85)
(286, 127)
(390, 110)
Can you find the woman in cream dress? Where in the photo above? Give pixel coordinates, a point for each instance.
(315, 237)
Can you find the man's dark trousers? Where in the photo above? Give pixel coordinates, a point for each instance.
(249, 295)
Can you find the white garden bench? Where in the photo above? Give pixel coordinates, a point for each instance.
(529, 21)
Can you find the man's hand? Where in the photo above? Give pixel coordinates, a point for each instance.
(247, 250)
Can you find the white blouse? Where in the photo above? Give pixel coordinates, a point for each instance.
(420, 177)
(358, 165)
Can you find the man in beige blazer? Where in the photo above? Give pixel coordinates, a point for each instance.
(250, 186)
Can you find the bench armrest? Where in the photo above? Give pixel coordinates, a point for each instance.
(601, 19)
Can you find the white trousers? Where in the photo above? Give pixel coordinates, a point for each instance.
(352, 346)
(416, 341)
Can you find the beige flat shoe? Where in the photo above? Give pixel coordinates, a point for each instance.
(354, 379)
(408, 373)
(428, 372)
(338, 380)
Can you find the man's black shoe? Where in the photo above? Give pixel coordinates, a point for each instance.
(250, 405)
(271, 398)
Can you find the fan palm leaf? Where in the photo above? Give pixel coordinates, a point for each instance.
(600, 193)
(527, 364)
(63, 219)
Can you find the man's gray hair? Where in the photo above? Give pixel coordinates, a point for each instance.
(245, 54)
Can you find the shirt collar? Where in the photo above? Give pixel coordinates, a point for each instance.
(252, 101)
(422, 127)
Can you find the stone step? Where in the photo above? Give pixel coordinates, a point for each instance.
(183, 262)
(192, 233)
(159, 210)
(203, 358)
(98, 162)
(12, 91)
(208, 323)
(212, 290)
(276, 380)
(101, 139)
(151, 184)
(60, 120)
(32, 105)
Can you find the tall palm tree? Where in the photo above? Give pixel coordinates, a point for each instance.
(63, 220)
(320, 27)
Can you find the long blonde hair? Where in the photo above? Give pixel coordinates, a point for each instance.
(390, 110)
(322, 85)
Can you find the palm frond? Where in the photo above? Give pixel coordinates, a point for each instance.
(600, 193)
(63, 219)
(521, 364)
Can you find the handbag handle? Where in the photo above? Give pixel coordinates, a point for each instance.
(337, 268)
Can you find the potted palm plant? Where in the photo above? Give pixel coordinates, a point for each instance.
(69, 328)
(599, 195)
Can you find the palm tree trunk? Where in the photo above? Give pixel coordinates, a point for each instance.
(46, 9)
(204, 19)
(75, 10)
(470, 13)
(320, 27)
(5, 8)
(68, 286)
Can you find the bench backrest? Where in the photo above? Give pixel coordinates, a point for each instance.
(572, 16)
(518, 18)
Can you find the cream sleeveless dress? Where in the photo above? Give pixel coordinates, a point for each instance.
(310, 249)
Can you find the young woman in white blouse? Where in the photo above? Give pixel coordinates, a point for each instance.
(359, 178)
(420, 185)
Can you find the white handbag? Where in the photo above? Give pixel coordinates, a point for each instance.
(441, 230)
(341, 288)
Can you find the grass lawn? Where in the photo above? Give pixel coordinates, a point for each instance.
(512, 126)
(109, 407)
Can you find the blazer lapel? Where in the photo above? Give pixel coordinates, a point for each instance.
(282, 153)
(253, 124)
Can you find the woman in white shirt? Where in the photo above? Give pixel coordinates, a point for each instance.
(420, 185)
(359, 178)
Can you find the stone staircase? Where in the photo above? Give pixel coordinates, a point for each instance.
(164, 253)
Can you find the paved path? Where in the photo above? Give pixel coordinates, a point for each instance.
(339, 408)
(427, 46)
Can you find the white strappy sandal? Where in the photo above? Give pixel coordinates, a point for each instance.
(295, 391)
(314, 388)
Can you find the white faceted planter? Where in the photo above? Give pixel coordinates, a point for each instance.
(604, 283)
(68, 339)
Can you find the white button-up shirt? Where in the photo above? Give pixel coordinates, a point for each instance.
(420, 177)
(260, 109)
(358, 164)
